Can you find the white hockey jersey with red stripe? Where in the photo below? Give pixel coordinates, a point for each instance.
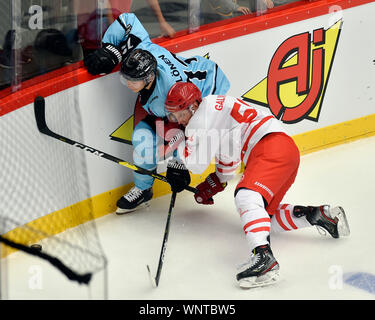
(226, 129)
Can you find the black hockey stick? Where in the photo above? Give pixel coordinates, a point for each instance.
(71, 274)
(155, 281)
(39, 110)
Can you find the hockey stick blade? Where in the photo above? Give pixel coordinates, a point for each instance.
(71, 274)
(153, 280)
(40, 117)
(40, 114)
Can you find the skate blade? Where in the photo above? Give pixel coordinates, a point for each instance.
(271, 277)
(342, 225)
(143, 205)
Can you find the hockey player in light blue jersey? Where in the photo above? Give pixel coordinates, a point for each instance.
(150, 70)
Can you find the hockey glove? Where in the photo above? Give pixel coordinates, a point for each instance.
(208, 188)
(103, 60)
(172, 134)
(178, 176)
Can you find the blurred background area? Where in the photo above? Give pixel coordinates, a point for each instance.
(39, 36)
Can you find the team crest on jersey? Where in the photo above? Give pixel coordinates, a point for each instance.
(298, 75)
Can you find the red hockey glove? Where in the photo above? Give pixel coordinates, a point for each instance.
(208, 188)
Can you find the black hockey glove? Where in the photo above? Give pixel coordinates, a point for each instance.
(103, 60)
(178, 176)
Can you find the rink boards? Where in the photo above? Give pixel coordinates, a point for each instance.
(316, 75)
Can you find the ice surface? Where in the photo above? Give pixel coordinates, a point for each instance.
(206, 243)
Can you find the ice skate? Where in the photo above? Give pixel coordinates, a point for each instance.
(135, 199)
(261, 269)
(331, 220)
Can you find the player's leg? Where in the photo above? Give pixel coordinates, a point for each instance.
(286, 217)
(272, 166)
(144, 155)
(290, 217)
(261, 268)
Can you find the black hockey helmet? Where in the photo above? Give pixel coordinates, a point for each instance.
(139, 65)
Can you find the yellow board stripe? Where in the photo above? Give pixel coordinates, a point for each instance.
(336, 134)
(105, 203)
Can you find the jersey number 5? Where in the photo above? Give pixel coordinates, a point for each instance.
(247, 116)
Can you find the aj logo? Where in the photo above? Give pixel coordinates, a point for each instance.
(298, 75)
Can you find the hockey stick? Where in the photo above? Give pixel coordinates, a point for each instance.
(71, 274)
(40, 117)
(155, 281)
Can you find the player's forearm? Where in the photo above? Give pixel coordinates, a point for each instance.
(154, 4)
(118, 32)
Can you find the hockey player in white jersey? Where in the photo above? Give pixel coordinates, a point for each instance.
(231, 131)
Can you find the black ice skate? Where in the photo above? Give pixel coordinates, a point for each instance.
(323, 217)
(262, 269)
(135, 199)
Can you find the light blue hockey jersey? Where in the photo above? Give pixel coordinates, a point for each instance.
(127, 33)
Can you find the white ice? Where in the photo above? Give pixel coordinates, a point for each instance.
(206, 243)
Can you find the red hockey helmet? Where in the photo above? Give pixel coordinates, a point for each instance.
(181, 96)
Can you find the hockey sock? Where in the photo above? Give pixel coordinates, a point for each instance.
(289, 217)
(255, 219)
